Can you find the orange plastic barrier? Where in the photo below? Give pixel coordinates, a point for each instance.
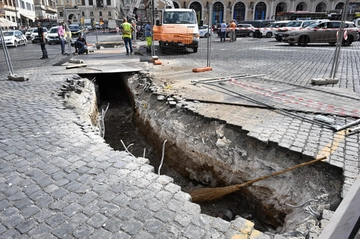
(202, 69)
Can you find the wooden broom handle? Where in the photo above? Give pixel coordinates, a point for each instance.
(283, 171)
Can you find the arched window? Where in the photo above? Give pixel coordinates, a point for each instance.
(281, 7)
(302, 6)
(176, 5)
(218, 13)
(340, 5)
(260, 11)
(239, 11)
(321, 7)
(197, 7)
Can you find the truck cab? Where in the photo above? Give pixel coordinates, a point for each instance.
(177, 28)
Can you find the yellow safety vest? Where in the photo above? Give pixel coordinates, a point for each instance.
(126, 29)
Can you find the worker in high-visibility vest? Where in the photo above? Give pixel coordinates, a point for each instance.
(148, 36)
(126, 29)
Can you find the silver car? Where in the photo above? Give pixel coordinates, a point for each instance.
(324, 32)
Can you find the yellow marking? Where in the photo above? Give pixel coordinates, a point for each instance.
(331, 147)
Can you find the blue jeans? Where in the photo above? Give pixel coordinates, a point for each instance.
(128, 45)
(222, 36)
(62, 43)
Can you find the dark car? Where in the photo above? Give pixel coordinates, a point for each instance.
(75, 30)
(244, 30)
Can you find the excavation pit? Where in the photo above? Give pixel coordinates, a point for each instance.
(206, 152)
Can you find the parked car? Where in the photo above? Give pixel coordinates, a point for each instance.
(14, 38)
(323, 32)
(35, 35)
(257, 23)
(294, 25)
(75, 30)
(269, 31)
(29, 33)
(243, 30)
(205, 31)
(53, 36)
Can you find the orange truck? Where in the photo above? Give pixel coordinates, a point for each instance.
(176, 28)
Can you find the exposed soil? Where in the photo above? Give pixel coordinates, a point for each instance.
(120, 126)
(196, 154)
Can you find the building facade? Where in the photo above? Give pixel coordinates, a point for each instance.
(86, 12)
(25, 13)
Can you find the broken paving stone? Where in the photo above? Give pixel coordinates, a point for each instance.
(172, 103)
(161, 97)
(324, 81)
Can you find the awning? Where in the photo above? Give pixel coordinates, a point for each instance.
(6, 23)
(32, 18)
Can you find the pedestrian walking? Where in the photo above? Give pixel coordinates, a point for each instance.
(61, 33)
(223, 27)
(42, 41)
(232, 31)
(126, 29)
(148, 36)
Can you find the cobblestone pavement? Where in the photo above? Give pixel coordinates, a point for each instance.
(59, 179)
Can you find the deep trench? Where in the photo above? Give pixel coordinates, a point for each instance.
(123, 130)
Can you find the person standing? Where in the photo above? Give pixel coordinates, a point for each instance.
(223, 27)
(42, 41)
(61, 33)
(232, 31)
(148, 36)
(126, 29)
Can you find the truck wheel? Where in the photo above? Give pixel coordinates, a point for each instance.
(195, 49)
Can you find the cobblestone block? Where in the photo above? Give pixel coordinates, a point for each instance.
(131, 227)
(83, 231)
(63, 231)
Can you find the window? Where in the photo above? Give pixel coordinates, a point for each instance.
(83, 14)
(61, 14)
(109, 13)
(91, 13)
(108, 2)
(100, 13)
(91, 3)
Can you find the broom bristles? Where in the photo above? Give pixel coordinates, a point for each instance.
(209, 194)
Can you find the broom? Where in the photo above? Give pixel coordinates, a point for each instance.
(209, 194)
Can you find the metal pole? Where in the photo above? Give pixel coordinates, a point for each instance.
(208, 52)
(6, 53)
(152, 32)
(339, 42)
